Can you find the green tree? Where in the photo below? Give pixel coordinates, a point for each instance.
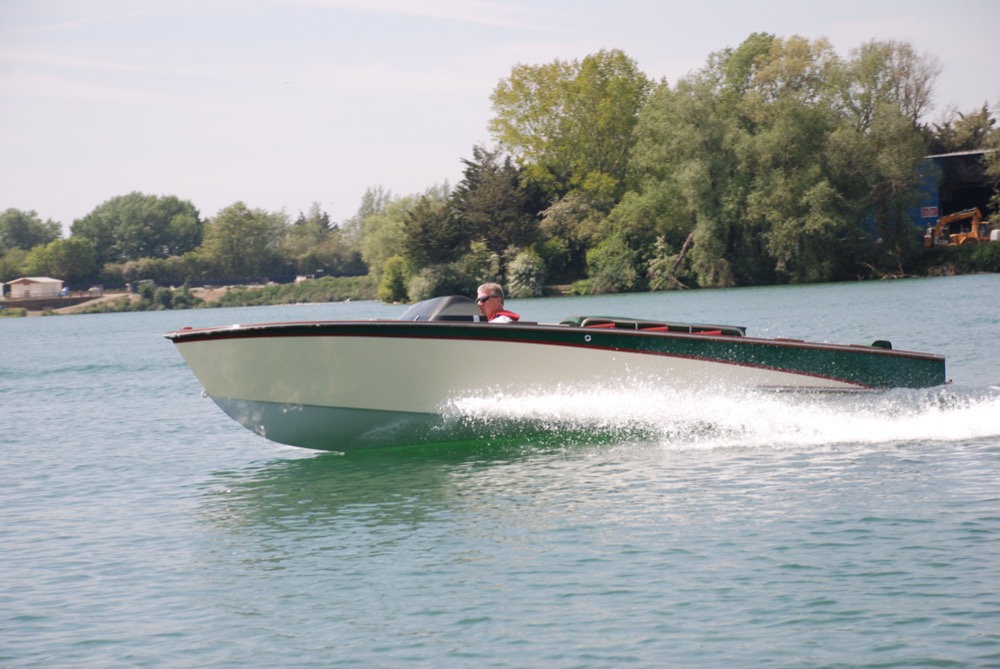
(490, 204)
(972, 130)
(25, 230)
(612, 266)
(886, 90)
(12, 264)
(788, 105)
(992, 160)
(606, 96)
(570, 125)
(73, 260)
(374, 202)
(172, 271)
(963, 132)
(773, 157)
(480, 265)
(652, 223)
(308, 231)
(432, 235)
(315, 245)
(691, 140)
(245, 244)
(383, 234)
(530, 108)
(569, 228)
(133, 226)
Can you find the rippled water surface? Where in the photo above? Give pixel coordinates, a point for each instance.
(139, 526)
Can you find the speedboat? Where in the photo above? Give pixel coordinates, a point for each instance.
(348, 385)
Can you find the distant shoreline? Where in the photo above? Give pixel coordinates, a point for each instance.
(208, 295)
(211, 295)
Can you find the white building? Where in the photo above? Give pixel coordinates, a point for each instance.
(33, 286)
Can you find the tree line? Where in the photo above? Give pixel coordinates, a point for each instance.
(778, 161)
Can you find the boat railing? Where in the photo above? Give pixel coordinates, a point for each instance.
(614, 322)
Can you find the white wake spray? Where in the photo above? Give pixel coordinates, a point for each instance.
(720, 419)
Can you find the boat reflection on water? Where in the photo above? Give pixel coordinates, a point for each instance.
(528, 445)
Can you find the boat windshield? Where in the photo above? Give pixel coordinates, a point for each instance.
(447, 308)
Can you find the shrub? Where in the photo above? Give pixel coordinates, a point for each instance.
(326, 289)
(986, 257)
(526, 275)
(612, 267)
(438, 280)
(392, 288)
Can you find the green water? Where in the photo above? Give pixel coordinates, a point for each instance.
(142, 527)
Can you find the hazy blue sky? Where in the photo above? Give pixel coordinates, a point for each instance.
(282, 103)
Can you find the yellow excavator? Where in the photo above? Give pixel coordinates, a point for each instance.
(962, 227)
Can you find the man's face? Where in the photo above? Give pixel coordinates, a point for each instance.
(488, 304)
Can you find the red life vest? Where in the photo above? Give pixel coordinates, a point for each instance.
(509, 314)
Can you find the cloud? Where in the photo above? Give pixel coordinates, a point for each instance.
(501, 15)
(32, 85)
(87, 21)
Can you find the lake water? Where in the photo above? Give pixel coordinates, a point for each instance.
(141, 527)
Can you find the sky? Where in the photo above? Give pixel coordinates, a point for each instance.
(281, 104)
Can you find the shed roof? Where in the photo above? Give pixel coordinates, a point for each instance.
(33, 279)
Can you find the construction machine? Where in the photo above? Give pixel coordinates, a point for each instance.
(962, 227)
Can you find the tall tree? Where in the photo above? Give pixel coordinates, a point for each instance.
(243, 243)
(963, 131)
(374, 202)
(25, 230)
(886, 90)
(309, 231)
(382, 235)
(12, 264)
(570, 124)
(317, 246)
(133, 226)
(490, 204)
(992, 160)
(73, 260)
(778, 152)
(790, 201)
(432, 235)
(530, 110)
(692, 140)
(888, 76)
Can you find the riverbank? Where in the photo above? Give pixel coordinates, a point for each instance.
(207, 295)
(152, 298)
(950, 261)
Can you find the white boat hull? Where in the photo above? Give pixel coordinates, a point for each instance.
(383, 390)
(345, 385)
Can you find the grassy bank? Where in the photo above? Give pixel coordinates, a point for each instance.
(156, 298)
(327, 289)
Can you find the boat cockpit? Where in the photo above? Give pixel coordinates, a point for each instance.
(458, 308)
